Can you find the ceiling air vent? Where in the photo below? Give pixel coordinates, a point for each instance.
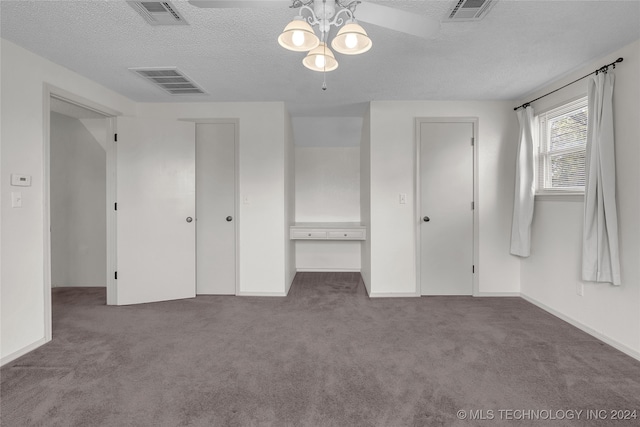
(469, 10)
(169, 79)
(158, 12)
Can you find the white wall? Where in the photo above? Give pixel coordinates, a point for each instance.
(22, 276)
(330, 255)
(327, 184)
(97, 129)
(365, 198)
(393, 226)
(262, 142)
(342, 131)
(550, 275)
(78, 204)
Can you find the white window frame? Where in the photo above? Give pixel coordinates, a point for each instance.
(542, 154)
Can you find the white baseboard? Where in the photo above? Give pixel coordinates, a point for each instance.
(261, 294)
(289, 284)
(497, 294)
(366, 288)
(393, 295)
(13, 356)
(78, 286)
(328, 270)
(613, 343)
(415, 294)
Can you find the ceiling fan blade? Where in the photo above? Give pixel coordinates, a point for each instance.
(396, 19)
(225, 4)
(383, 16)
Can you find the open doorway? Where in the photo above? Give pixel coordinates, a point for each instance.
(78, 194)
(79, 182)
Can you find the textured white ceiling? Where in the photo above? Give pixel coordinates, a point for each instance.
(233, 53)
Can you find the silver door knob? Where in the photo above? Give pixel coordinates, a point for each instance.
(189, 219)
(426, 219)
(229, 218)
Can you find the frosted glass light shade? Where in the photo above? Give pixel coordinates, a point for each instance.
(352, 39)
(298, 36)
(320, 59)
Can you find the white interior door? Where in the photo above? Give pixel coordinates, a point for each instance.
(215, 208)
(156, 206)
(446, 195)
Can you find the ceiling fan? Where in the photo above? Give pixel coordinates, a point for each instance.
(351, 39)
(388, 17)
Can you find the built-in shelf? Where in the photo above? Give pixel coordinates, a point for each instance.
(328, 231)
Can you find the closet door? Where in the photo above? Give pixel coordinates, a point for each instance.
(215, 208)
(446, 197)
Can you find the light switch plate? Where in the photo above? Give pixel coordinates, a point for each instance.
(20, 180)
(16, 199)
(403, 198)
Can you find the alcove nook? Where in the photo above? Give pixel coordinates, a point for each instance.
(328, 231)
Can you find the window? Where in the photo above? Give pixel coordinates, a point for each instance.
(562, 149)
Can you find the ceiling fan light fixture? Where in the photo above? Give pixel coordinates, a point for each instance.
(352, 39)
(320, 59)
(298, 36)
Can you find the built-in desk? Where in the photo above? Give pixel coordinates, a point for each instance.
(328, 231)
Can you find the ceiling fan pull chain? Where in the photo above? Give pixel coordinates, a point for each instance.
(324, 51)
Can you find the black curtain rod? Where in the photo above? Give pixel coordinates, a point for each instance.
(602, 69)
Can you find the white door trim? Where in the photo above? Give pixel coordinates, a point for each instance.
(112, 221)
(236, 184)
(48, 92)
(417, 223)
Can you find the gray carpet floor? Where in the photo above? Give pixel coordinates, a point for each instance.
(326, 355)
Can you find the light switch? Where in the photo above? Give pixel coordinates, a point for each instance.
(16, 199)
(246, 201)
(403, 198)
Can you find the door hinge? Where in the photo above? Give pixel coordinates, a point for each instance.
(473, 140)
(116, 275)
(115, 206)
(115, 137)
(473, 205)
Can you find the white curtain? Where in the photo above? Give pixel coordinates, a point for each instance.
(600, 257)
(525, 186)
